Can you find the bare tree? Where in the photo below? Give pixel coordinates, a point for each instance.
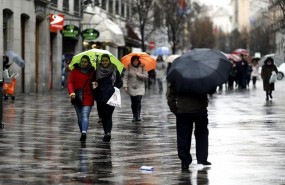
(142, 17)
(202, 33)
(174, 16)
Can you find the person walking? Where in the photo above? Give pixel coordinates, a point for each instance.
(254, 73)
(266, 72)
(160, 72)
(105, 79)
(80, 78)
(134, 85)
(189, 109)
(242, 72)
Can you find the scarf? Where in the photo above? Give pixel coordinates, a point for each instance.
(103, 72)
(85, 70)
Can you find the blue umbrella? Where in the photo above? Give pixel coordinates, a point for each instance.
(199, 71)
(15, 58)
(162, 51)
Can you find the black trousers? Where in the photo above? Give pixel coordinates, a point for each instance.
(184, 128)
(136, 105)
(106, 113)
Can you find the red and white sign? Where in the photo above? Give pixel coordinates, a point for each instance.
(151, 45)
(56, 22)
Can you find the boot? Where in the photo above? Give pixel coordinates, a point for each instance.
(139, 112)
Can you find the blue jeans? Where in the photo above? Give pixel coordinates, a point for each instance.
(83, 113)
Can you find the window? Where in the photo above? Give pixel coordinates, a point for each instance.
(76, 7)
(110, 6)
(65, 5)
(123, 9)
(104, 4)
(54, 2)
(128, 11)
(117, 7)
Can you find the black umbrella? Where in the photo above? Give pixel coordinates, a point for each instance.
(199, 71)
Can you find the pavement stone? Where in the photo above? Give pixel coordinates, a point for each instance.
(40, 142)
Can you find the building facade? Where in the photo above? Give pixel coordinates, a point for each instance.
(26, 30)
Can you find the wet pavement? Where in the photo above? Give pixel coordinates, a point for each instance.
(40, 142)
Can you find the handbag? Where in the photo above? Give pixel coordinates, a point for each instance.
(115, 99)
(273, 77)
(78, 100)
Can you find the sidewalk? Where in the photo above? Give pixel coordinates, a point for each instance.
(40, 142)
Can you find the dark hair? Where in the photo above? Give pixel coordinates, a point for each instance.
(268, 59)
(106, 56)
(134, 58)
(86, 57)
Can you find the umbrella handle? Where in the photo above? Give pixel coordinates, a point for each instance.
(97, 59)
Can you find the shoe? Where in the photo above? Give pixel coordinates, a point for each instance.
(267, 99)
(107, 137)
(184, 167)
(83, 137)
(204, 162)
(100, 121)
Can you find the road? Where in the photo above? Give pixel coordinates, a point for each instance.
(40, 142)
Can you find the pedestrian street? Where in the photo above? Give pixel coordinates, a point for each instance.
(39, 143)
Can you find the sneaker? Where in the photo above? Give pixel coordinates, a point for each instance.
(107, 137)
(83, 137)
(204, 162)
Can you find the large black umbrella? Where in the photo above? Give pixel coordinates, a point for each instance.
(199, 71)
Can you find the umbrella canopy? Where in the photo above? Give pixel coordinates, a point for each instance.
(146, 59)
(162, 51)
(95, 56)
(199, 71)
(278, 60)
(240, 51)
(16, 58)
(170, 58)
(233, 57)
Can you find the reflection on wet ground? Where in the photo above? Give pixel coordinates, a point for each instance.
(40, 142)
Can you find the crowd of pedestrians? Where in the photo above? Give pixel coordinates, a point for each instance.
(98, 86)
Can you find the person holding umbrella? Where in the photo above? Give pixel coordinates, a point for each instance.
(134, 85)
(104, 80)
(191, 77)
(80, 78)
(266, 72)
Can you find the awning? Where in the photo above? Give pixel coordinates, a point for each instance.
(109, 31)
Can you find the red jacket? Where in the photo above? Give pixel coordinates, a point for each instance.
(77, 80)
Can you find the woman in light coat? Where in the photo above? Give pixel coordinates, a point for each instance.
(134, 85)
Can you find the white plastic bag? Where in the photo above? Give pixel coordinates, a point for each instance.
(273, 77)
(115, 99)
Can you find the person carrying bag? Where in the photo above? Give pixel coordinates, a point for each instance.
(106, 79)
(80, 93)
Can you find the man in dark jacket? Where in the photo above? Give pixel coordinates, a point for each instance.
(190, 108)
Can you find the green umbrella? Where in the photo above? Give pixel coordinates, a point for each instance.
(95, 56)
